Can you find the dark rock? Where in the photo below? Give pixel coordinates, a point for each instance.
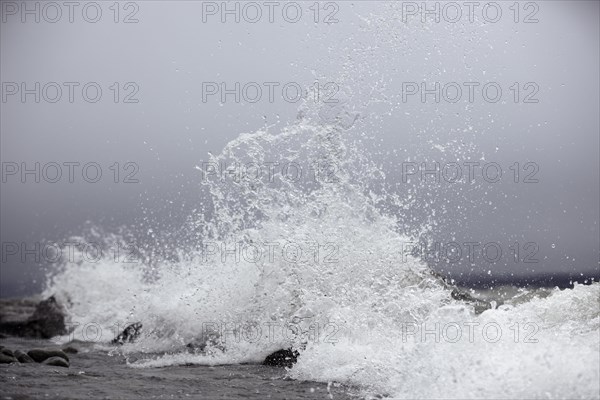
(129, 334)
(39, 355)
(206, 344)
(57, 362)
(4, 359)
(479, 305)
(282, 358)
(70, 350)
(7, 352)
(23, 357)
(196, 347)
(47, 320)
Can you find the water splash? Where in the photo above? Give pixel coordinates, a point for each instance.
(353, 301)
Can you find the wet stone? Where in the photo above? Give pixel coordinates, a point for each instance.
(129, 334)
(22, 357)
(4, 359)
(282, 358)
(40, 355)
(57, 362)
(7, 352)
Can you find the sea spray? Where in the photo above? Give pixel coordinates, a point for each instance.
(357, 306)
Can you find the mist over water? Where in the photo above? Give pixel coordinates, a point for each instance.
(308, 245)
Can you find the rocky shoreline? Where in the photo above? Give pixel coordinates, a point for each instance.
(46, 319)
(96, 373)
(33, 366)
(54, 357)
(27, 318)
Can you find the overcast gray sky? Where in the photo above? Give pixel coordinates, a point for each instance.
(160, 64)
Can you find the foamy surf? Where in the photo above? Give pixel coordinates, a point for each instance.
(363, 312)
(318, 262)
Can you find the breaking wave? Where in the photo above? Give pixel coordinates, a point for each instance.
(301, 244)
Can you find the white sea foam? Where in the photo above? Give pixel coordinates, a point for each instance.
(356, 311)
(370, 315)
